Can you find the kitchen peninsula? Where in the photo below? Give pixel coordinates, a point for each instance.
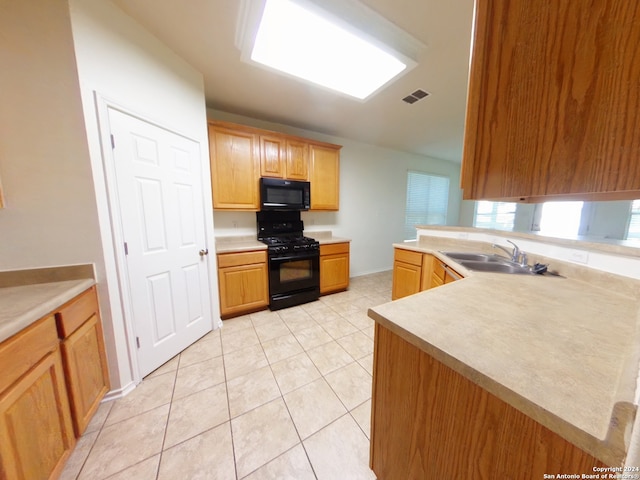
(504, 376)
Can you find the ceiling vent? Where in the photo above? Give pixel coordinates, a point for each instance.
(415, 96)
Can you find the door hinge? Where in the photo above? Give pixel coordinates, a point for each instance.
(138, 342)
(113, 141)
(126, 248)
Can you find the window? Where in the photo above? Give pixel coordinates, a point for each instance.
(496, 215)
(633, 230)
(561, 219)
(427, 201)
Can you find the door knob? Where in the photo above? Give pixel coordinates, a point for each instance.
(204, 252)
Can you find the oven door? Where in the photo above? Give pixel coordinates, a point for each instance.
(294, 272)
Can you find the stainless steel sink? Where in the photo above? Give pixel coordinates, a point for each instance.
(475, 257)
(485, 262)
(497, 267)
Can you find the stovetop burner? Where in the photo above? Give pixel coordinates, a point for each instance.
(288, 240)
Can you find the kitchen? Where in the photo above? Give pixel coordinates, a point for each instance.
(122, 61)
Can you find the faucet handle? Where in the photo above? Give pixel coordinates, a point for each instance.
(523, 260)
(515, 255)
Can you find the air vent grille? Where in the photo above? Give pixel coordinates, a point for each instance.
(415, 96)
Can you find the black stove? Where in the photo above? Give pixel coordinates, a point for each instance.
(290, 243)
(294, 260)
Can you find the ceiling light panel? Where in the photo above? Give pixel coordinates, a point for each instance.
(301, 40)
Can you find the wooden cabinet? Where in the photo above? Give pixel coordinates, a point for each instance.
(554, 102)
(334, 267)
(36, 432)
(414, 272)
(243, 282)
(282, 157)
(85, 361)
(297, 160)
(442, 273)
(431, 422)
(240, 155)
(235, 167)
(272, 156)
(407, 273)
(324, 176)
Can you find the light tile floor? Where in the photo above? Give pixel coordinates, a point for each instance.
(271, 395)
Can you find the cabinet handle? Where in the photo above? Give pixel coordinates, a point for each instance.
(204, 252)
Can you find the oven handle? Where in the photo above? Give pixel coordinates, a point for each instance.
(300, 256)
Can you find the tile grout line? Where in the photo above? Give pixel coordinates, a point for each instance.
(226, 388)
(166, 427)
(292, 422)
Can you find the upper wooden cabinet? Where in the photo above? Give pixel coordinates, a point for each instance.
(272, 156)
(324, 176)
(554, 101)
(235, 167)
(240, 155)
(297, 160)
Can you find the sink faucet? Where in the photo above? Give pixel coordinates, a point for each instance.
(515, 255)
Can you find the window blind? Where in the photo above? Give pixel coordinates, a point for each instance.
(634, 220)
(496, 215)
(427, 201)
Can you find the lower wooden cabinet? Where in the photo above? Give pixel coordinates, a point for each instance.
(415, 271)
(36, 432)
(334, 267)
(54, 375)
(83, 352)
(243, 282)
(442, 273)
(407, 273)
(431, 422)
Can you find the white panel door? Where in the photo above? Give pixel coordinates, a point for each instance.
(159, 185)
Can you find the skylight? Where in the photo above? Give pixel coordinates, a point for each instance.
(302, 42)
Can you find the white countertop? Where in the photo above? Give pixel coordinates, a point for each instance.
(20, 306)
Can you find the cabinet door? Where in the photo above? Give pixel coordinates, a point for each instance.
(427, 271)
(86, 371)
(334, 267)
(272, 156)
(243, 288)
(554, 102)
(36, 435)
(297, 160)
(325, 177)
(406, 279)
(234, 168)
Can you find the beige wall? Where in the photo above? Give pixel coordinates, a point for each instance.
(50, 212)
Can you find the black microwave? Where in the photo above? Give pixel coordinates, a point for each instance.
(279, 194)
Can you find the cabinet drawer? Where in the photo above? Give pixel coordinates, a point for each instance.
(76, 312)
(334, 248)
(408, 256)
(243, 258)
(22, 351)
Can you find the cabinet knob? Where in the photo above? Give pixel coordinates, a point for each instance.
(204, 252)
